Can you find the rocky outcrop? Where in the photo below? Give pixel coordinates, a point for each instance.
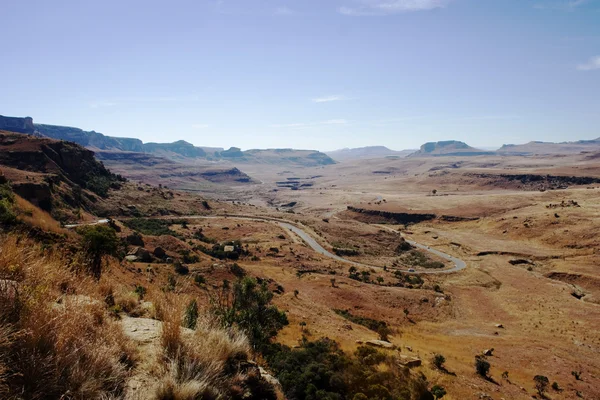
(15, 124)
(448, 148)
(400, 218)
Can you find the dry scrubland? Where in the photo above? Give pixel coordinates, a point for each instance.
(530, 292)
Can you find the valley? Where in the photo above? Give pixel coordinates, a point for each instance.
(452, 254)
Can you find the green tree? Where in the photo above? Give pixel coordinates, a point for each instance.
(541, 384)
(247, 304)
(438, 391)
(98, 241)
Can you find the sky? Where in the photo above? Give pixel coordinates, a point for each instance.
(310, 74)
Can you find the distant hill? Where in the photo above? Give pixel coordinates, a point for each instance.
(547, 148)
(180, 150)
(366, 152)
(448, 148)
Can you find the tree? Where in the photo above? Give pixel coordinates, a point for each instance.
(98, 241)
(541, 384)
(438, 391)
(482, 367)
(434, 192)
(380, 280)
(438, 361)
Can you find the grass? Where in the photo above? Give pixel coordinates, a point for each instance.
(209, 362)
(63, 344)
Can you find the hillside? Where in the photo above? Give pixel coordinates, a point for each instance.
(448, 148)
(548, 148)
(54, 175)
(366, 152)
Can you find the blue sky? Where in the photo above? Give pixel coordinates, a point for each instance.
(321, 74)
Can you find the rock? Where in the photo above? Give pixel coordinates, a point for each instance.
(131, 258)
(347, 327)
(409, 348)
(380, 343)
(141, 253)
(500, 326)
(143, 330)
(270, 379)
(159, 252)
(488, 352)
(410, 362)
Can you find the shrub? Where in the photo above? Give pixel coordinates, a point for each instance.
(153, 227)
(438, 361)
(98, 241)
(541, 384)
(556, 386)
(247, 306)
(191, 315)
(321, 370)
(7, 200)
(199, 279)
(180, 268)
(238, 271)
(482, 366)
(438, 391)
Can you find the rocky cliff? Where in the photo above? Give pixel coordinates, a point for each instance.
(15, 124)
(52, 173)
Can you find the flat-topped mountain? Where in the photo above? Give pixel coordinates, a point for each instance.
(366, 152)
(180, 150)
(448, 148)
(546, 148)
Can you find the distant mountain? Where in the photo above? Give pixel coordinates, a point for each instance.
(366, 152)
(180, 150)
(547, 148)
(448, 148)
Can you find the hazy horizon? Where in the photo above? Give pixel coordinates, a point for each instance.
(320, 75)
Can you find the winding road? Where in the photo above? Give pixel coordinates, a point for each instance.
(311, 242)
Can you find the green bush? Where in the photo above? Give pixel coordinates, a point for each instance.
(7, 198)
(153, 227)
(321, 370)
(247, 305)
(98, 241)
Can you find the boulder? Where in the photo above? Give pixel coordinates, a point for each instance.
(380, 343)
(488, 352)
(410, 362)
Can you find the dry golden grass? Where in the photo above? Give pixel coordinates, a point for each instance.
(63, 344)
(208, 363)
(35, 217)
